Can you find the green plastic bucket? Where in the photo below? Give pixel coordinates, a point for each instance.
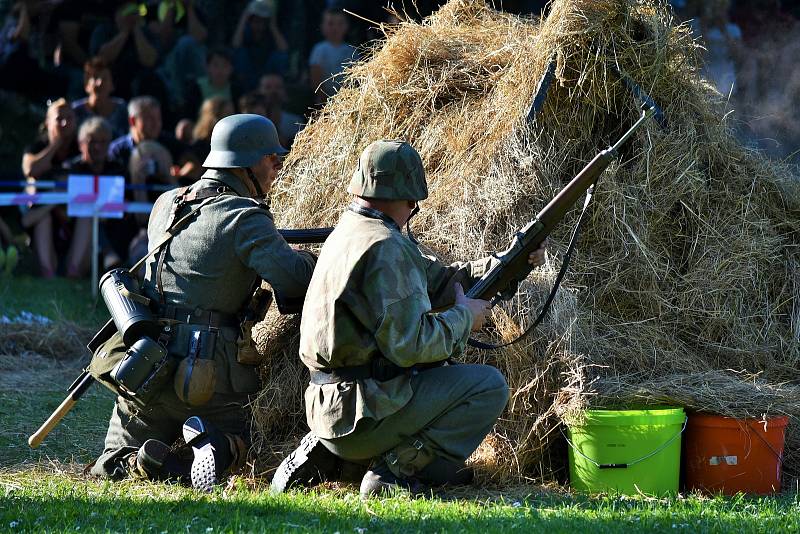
(627, 451)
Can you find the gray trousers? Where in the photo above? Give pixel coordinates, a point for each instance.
(162, 419)
(453, 408)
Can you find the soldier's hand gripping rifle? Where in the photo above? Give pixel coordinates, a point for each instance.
(513, 266)
(85, 380)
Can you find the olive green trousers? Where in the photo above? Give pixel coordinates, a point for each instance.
(452, 409)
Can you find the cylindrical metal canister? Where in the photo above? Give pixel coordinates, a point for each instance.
(131, 315)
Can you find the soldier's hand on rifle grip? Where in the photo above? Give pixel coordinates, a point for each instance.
(479, 308)
(536, 258)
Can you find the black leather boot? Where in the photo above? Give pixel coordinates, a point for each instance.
(155, 460)
(308, 465)
(212, 453)
(380, 481)
(441, 471)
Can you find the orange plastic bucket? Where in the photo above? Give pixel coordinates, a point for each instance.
(726, 455)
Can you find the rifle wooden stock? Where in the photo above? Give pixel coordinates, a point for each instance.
(82, 384)
(513, 266)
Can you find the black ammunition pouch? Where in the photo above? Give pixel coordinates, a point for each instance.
(380, 369)
(137, 373)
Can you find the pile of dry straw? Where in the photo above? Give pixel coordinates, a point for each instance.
(684, 287)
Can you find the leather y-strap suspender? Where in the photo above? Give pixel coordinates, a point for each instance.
(206, 195)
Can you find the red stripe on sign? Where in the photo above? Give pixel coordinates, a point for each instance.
(85, 198)
(113, 206)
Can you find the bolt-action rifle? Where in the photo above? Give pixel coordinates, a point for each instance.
(84, 380)
(513, 266)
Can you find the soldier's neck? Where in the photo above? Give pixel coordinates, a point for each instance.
(397, 210)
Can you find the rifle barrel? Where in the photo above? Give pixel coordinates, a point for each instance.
(304, 236)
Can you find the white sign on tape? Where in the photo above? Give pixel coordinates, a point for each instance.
(95, 196)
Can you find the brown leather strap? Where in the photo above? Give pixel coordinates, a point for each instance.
(181, 199)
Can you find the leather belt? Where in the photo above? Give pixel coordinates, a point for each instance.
(197, 316)
(380, 369)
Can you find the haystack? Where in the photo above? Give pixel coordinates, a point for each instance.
(684, 287)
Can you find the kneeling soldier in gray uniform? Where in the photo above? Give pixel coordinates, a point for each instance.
(199, 284)
(381, 392)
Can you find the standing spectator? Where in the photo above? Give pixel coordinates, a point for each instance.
(329, 57)
(128, 47)
(144, 121)
(212, 111)
(181, 34)
(94, 136)
(259, 46)
(54, 235)
(288, 124)
(20, 70)
(216, 82)
(99, 84)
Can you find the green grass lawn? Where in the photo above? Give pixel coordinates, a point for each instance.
(45, 489)
(59, 298)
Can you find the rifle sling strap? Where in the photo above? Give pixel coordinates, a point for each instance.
(556, 284)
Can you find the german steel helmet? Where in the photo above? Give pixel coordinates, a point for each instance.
(389, 170)
(241, 140)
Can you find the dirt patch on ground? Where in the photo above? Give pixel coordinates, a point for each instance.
(32, 372)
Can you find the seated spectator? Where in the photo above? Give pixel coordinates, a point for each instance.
(144, 121)
(150, 164)
(216, 82)
(259, 46)
(55, 237)
(128, 47)
(288, 124)
(254, 103)
(57, 143)
(99, 85)
(329, 57)
(183, 132)
(213, 110)
(94, 136)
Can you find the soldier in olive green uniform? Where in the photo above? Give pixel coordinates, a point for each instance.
(381, 390)
(200, 281)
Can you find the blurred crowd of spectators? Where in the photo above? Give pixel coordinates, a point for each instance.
(135, 88)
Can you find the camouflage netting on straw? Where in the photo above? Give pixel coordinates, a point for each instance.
(684, 286)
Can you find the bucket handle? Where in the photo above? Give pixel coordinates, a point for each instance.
(634, 462)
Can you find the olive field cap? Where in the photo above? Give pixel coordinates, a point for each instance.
(389, 170)
(241, 140)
